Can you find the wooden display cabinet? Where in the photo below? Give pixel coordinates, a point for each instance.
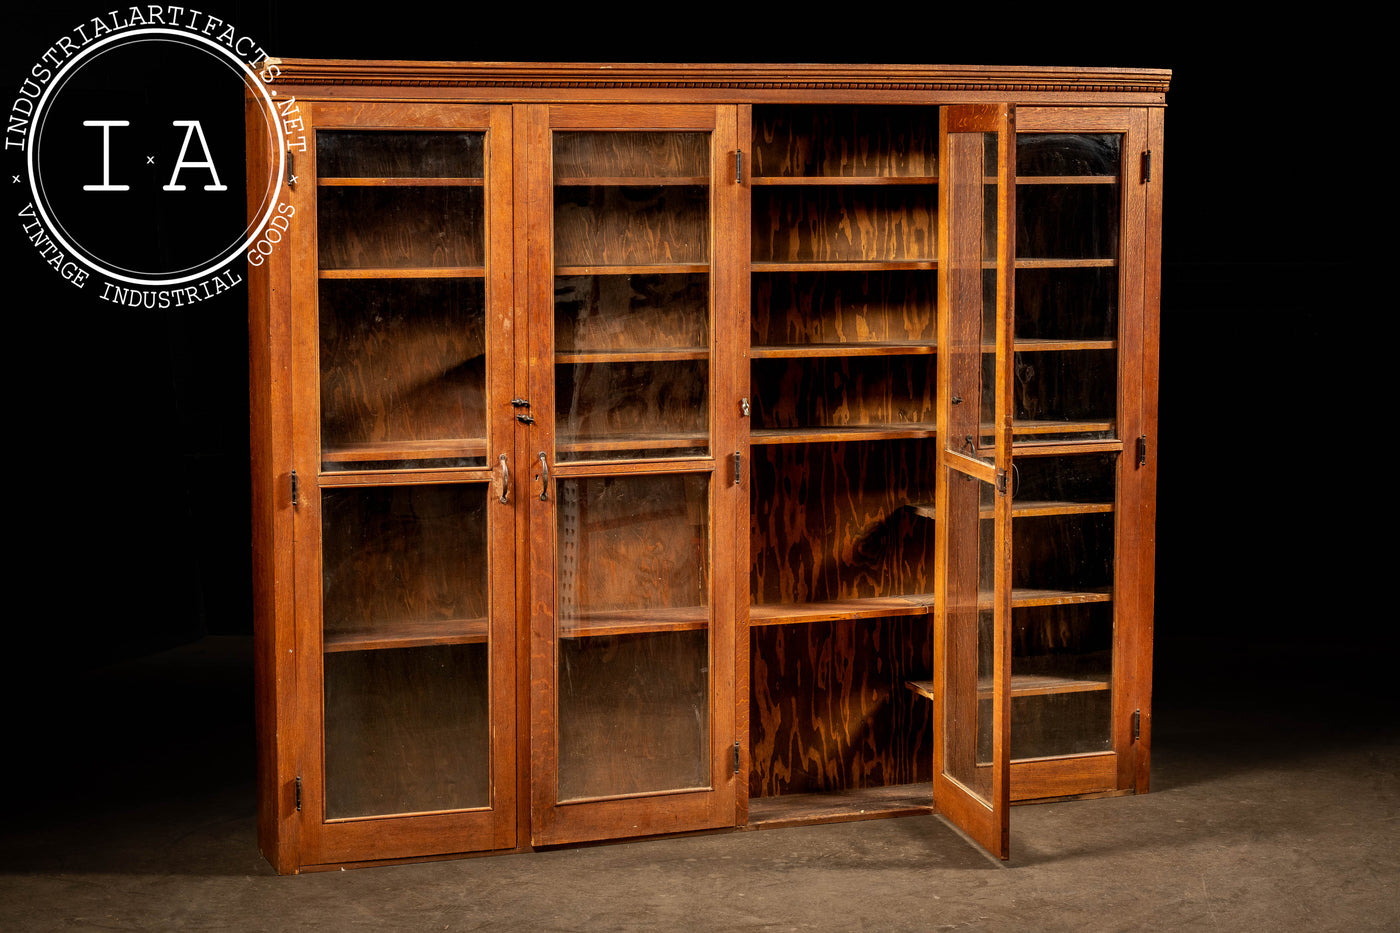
(646, 449)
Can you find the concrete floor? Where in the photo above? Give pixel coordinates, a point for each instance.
(1270, 811)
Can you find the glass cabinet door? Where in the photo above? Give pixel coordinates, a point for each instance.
(633, 492)
(1077, 412)
(403, 502)
(973, 596)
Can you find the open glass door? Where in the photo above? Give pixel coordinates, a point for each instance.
(972, 713)
(635, 474)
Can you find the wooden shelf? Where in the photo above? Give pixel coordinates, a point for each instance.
(407, 635)
(649, 441)
(1048, 345)
(647, 355)
(635, 621)
(859, 432)
(1066, 179)
(1030, 428)
(1026, 597)
(1060, 264)
(892, 265)
(440, 449)
(1027, 508)
(1026, 685)
(841, 806)
(876, 607)
(401, 182)
(844, 180)
(873, 348)
(630, 181)
(408, 272)
(668, 268)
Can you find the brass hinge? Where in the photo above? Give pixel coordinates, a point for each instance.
(1142, 449)
(1137, 724)
(298, 793)
(1146, 165)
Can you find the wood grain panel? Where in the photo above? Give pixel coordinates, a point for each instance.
(830, 522)
(402, 361)
(616, 312)
(835, 224)
(348, 154)
(631, 155)
(391, 228)
(845, 141)
(400, 555)
(641, 224)
(845, 391)
(829, 708)
(843, 308)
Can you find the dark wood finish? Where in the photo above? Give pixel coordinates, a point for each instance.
(829, 711)
(835, 273)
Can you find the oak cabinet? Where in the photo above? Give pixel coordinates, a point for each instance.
(647, 449)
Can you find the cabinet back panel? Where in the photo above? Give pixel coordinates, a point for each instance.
(607, 225)
(839, 224)
(829, 707)
(402, 360)
(864, 141)
(400, 228)
(843, 307)
(831, 521)
(817, 392)
(628, 312)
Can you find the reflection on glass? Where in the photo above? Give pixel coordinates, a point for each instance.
(970, 636)
(633, 620)
(404, 608)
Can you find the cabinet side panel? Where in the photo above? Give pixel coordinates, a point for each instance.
(270, 439)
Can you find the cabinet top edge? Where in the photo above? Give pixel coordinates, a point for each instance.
(711, 75)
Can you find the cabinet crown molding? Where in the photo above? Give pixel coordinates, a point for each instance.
(593, 75)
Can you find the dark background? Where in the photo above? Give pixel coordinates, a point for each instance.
(130, 462)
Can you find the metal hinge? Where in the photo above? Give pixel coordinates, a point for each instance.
(1142, 449)
(1137, 724)
(520, 402)
(736, 756)
(295, 490)
(738, 166)
(298, 793)
(738, 467)
(291, 173)
(1001, 482)
(745, 409)
(1146, 165)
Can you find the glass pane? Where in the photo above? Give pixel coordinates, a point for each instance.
(845, 141)
(634, 623)
(972, 291)
(401, 298)
(1062, 626)
(1068, 201)
(632, 294)
(403, 373)
(404, 630)
(970, 636)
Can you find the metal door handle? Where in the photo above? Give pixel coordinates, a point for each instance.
(503, 480)
(544, 477)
